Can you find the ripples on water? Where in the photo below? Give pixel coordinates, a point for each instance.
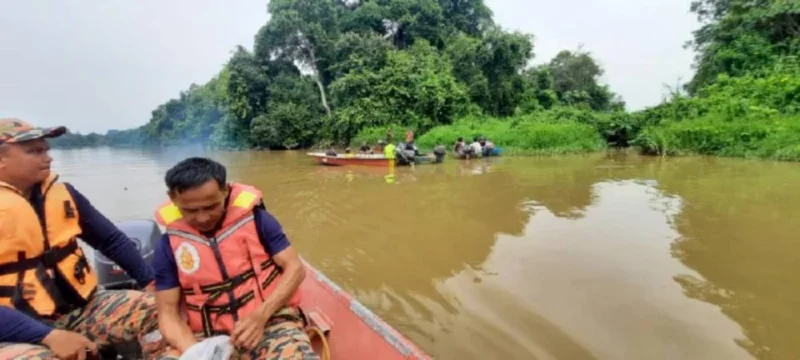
(612, 257)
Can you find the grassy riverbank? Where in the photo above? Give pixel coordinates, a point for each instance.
(771, 137)
(524, 135)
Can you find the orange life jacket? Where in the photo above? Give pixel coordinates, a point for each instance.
(226, 277)
(39, 246)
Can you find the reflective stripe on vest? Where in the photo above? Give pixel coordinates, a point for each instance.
(34, 251)
(220, 289)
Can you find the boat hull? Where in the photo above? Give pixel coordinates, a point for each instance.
(377, 161)
(355, 333)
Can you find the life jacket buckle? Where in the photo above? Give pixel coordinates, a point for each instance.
(81, 268)
(49, 258)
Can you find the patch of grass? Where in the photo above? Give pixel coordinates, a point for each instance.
(765, 137)
(519, 135)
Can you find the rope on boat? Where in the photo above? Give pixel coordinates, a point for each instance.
(315, 331)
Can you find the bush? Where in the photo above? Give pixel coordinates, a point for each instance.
(769, 137)
(372, 134)
(526, 134)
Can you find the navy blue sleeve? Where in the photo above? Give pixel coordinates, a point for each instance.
(101, 234)
(164, 265)
(270, 232)
(17, 327)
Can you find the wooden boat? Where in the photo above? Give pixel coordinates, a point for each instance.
(377, 160)
(345, 328)
(351, 159)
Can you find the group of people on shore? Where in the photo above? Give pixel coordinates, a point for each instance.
(480, 146)
(52, 307)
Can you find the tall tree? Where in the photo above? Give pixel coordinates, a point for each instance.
(741, 36)
(305, 32)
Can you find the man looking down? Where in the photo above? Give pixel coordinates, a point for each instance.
(226, 263)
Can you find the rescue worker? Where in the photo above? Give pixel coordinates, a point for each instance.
(389, 151)
(50, 304)
(250, 293)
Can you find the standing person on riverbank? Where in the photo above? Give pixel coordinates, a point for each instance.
(249, 294)
(410, 137)
(50, 305)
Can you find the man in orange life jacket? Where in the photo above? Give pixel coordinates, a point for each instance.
(230, 262)
(49, 303)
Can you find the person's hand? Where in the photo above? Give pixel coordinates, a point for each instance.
(150, 288)
(67, 345)
(249, 330)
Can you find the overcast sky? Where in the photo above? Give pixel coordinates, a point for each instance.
(95, 65)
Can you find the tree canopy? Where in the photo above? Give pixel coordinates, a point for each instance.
(321, 71)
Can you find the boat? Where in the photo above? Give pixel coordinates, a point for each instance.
(340, 327)
(351, 159)
(346, 328)
(376, 160)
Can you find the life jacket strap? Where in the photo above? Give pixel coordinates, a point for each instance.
(49, 259)
(216, 290)
(17, 292)
(206, 311)
(229, 284)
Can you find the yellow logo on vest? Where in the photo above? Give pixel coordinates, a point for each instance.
(187, 258)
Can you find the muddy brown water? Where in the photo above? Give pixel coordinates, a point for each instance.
(606, 256)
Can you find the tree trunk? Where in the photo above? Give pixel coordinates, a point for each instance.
(322, 93)
(318, 80)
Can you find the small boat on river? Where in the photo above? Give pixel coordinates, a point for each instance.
(378, 160)
(351, 159)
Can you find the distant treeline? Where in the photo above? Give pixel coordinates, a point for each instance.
(120, 138)
(332, 71)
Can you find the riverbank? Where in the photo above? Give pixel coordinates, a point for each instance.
(771, 137)
(760, 136)
(525, 135)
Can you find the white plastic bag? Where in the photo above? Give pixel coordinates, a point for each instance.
(213, 348)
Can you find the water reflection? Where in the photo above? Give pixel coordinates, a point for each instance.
(740, 236)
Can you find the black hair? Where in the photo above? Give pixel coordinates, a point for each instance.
(460, 139)
(193, 172)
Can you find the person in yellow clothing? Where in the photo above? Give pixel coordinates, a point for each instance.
(388, 151)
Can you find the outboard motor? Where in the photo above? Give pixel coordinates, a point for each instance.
(144, 234)
(439, 151)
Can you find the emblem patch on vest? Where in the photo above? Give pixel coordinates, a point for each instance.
(187, 258)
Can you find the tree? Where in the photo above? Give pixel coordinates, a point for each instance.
(741, 36)
(575, 81)
(303, 31)
(491, 68)
(415, 88)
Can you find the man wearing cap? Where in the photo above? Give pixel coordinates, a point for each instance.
(49, 302)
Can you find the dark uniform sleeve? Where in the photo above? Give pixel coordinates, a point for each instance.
(164, 265)
(17, 327)
(270, 232)
(101, 234)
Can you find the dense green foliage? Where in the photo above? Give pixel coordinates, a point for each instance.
(551, 132)
(745, 97)
(335, 71)
(524, 134)
(750, 136)
(321, 71)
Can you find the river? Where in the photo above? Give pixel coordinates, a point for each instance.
(606, 256)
